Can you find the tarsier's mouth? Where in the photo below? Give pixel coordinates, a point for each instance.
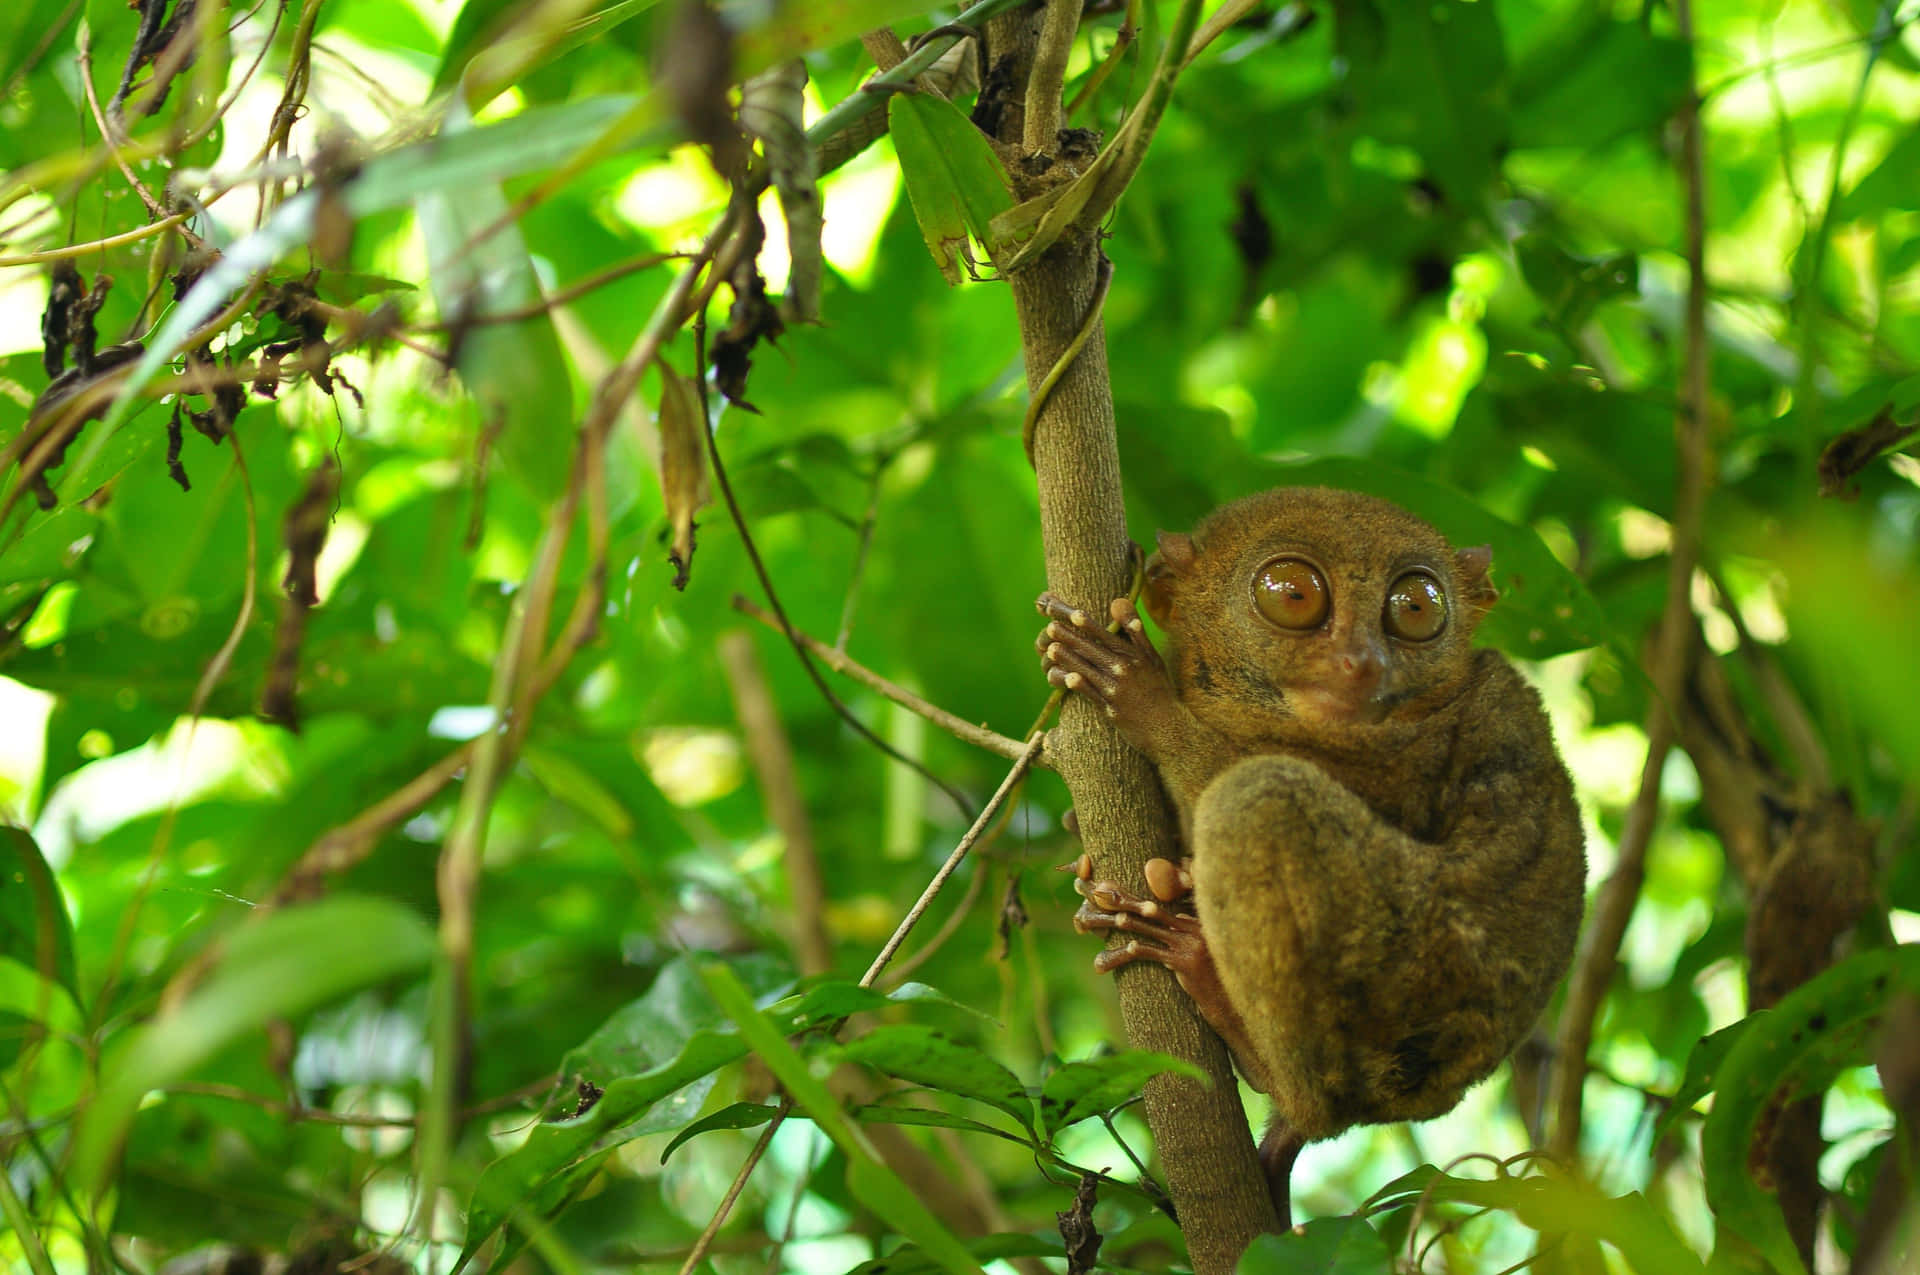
(1320, 703)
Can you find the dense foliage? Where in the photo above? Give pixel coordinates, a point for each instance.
(396, 857)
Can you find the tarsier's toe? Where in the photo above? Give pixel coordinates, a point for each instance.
(1168, 880)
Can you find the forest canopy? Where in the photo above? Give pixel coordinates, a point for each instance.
(519, 529)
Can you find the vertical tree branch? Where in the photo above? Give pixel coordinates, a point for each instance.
(1045, 86)
(1201, 1131)
(773, 763)
(1600, 946)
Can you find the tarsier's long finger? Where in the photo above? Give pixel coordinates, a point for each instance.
(1071, 669)
(1081, 867)
(1055, 607)
(1110, 959)
(1071, 625)
(1095, 646)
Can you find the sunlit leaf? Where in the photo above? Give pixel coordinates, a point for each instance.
(953, 177)
(292, 962)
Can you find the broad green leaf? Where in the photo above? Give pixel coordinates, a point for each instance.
(1324, 1246)
(1094, 1086)
(287, 965)
(515, 371)
(1432, 76)
(528, 1178)
(34, 927)
(926, 1057)
(1818, 1030)
(871, 1182)
(953, 177)
(1601, 80)
(1864, 653)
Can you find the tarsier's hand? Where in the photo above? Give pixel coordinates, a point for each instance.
(1120, 671)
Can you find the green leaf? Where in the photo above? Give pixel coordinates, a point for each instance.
(34, 927)
(1603, 79)
(953, 177)
(1324, 1246)
(654, 1061)
(287, 965)
(1432, 76)
(1818, 1030)
(515, 371)
(930, 1118)
(1094, 1086)
(926, 1057)
(871, 1182)
(1704, 1061)
(530, 1183)
(739, 1115)
(1554, 1203)
(477, 34)
(909, 1259)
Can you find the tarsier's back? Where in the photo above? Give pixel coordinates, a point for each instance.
(1394, 852)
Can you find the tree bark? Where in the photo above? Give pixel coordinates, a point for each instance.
(1200, 1131)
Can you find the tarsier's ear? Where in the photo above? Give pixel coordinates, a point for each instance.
(1173, 560)
(1477, 593)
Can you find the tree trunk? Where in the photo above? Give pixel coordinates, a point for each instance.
(1200, 1131)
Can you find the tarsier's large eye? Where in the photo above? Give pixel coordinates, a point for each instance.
(1291, 593)
(1416, 607)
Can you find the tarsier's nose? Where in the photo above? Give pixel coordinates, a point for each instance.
(1361, 666)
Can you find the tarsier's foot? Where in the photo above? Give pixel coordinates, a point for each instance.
(1156, 932)
(1120, 671)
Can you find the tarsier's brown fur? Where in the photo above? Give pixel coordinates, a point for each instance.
(1386, 853)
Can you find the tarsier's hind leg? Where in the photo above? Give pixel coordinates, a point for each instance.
(1157, 932)
(1329, 909)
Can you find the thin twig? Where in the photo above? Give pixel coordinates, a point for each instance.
(785, 625)
(840, 662)
(223, 658)
(554, 300)
(976, 886)
(863, 548)
(1122, 40)
(947, 869)
(1600, 946)
(288, 1111)
(109, 136)
(720, 1212)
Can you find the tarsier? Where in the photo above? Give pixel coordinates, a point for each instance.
(1386, 861)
